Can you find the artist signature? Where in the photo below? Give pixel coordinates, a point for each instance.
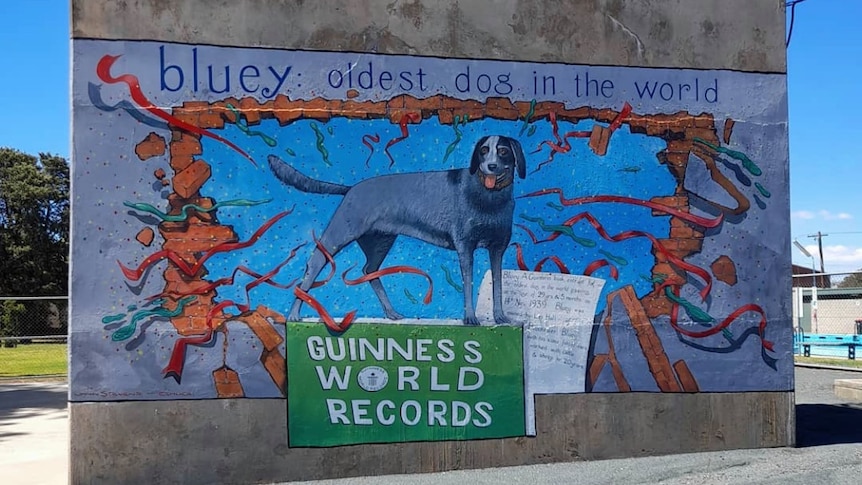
(104, 394)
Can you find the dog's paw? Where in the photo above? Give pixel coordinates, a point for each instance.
(501, 319)
(471, 321)
(293, 317)
(393, 315)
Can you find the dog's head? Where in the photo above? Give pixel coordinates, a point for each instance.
(496, 158)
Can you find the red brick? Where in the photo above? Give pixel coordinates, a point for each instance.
(285, 110)
(353, 109)
(728, 130)
(187, 182)
(595, 138)
(397, 102)
(275, 365)
(445, 116)
(188, 146)
(145, 236)
(704, 120)
(544, 108)
(184, 115)
(724, 270)
(227, 383)
(375, 110)
(193, 106)
(268, 336)
(198, 238)
(151, 146)
(656, 305)
(316, 108)
(432, 103)
(267, 312)
(250, 109)
(210, 120)
(703, 133)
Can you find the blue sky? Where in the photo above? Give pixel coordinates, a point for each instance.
(823, 72)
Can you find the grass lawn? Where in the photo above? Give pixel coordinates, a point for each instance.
(857, 364)
(33, 360)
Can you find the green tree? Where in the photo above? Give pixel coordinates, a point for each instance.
(34, 224)
(34, 231)
(852, 281)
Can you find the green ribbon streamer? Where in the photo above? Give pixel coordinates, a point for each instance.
(128, 330)
(144, 207)
(563, 229)
(746, 162)
(243, 126)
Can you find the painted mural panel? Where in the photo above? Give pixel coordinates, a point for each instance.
(261, 223)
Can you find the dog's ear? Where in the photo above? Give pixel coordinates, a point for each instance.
(477, 155)
(520, 160)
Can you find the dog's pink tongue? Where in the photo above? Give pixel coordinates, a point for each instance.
(490, 181)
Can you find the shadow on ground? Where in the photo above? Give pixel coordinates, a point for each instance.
(44, 397)
(828, 424)
(28, 402)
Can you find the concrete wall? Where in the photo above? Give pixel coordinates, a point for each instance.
(653, 377)
(736, 34)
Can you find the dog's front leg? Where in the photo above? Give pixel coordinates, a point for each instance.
(496, 257)
(465, 258)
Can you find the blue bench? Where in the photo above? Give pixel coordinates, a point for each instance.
(849, 341)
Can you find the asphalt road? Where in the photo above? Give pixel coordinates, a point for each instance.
(829, 452)
(34, 448)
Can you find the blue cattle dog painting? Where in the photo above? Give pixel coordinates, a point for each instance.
(409, 248)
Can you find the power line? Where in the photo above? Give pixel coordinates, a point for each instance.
(792, 4)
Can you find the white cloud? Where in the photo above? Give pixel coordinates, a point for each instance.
(842, 254)
(836, 258)
(821, 214)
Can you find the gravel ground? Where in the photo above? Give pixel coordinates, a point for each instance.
(829, 436)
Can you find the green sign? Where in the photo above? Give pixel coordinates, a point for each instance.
(379, 383)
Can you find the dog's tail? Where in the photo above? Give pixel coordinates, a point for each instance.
(291, 176)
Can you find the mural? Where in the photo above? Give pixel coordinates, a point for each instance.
(411, 249)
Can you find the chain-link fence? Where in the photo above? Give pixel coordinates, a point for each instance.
(827, 311)
(33, 336)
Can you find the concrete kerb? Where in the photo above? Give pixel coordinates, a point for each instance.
(850, 389)
(828, 367)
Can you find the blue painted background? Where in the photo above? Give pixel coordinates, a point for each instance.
(629, 168)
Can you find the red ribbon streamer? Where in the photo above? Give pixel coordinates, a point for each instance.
(389, 271)
(103, 70)
(135, 274)
(329, 261)
(229, 280)
(751, 307)
(519, 256)
(703, 274)
(406, 118)
(366, 140)
(686, 216)
(178, 354)
(622, 237)
(177, 360)
(324, 315)
(621, 116)
(563, 146)
(595, 265)
(554, 259)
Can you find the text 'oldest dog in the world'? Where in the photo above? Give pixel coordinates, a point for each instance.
(460, 209)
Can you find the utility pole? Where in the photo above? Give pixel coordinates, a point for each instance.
(819, 236)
